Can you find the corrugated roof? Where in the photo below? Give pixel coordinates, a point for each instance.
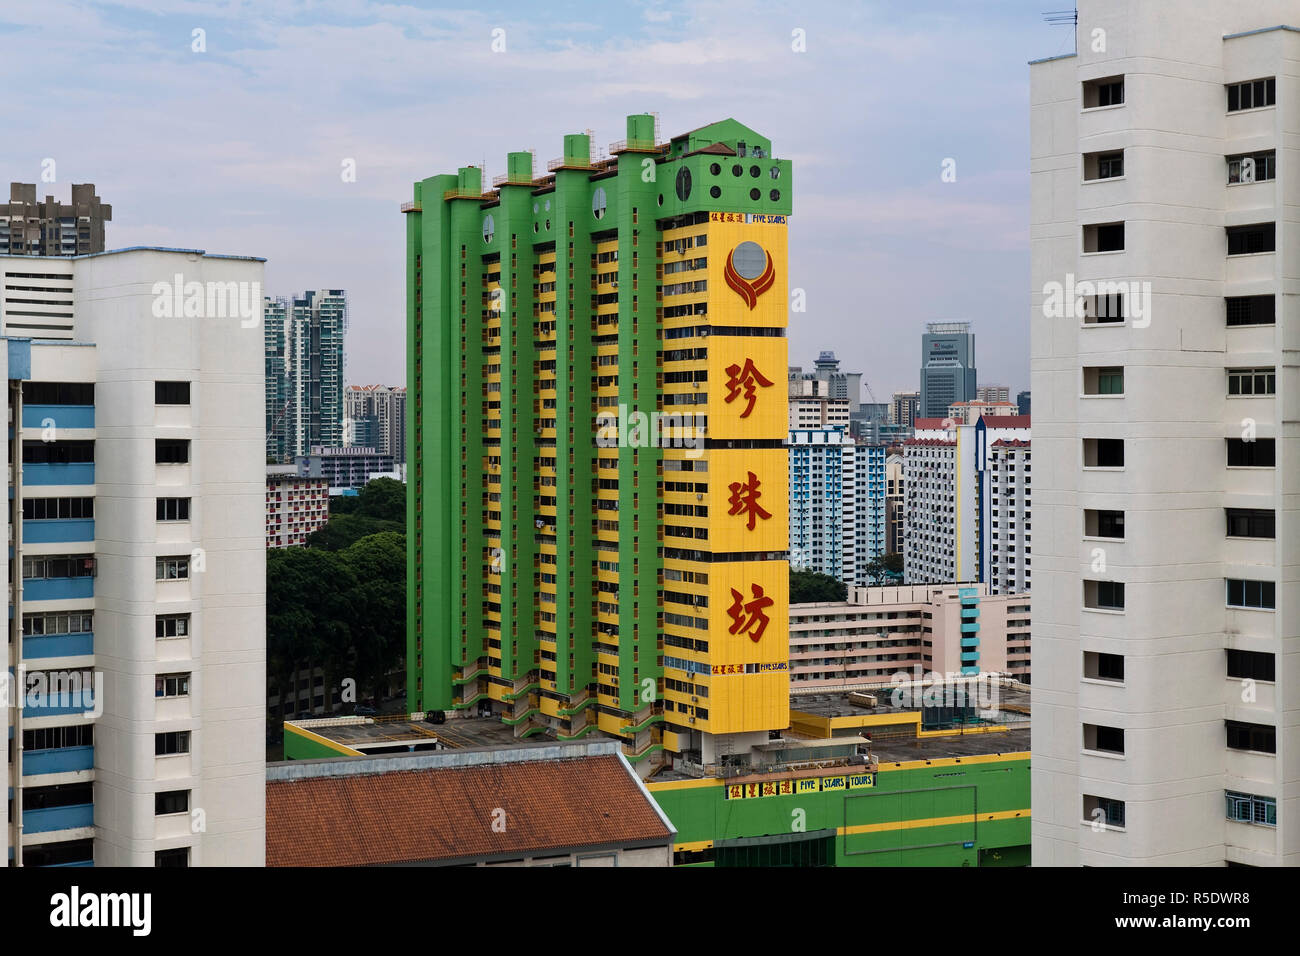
(448, 813)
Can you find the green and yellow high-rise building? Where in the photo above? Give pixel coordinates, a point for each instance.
(598, 504)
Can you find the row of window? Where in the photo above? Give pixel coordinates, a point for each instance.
(1108, 307)
(1239, 807)
(1250, 595)
(1258, 453)
(1242, 168)
(1242, 240)
(1241, 665)
(1246, 95)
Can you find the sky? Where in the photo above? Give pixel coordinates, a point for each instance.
(235, 138)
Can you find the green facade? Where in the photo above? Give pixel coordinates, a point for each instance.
(457, 232)
(912, 797)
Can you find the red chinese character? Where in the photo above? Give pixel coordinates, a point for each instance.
(744, 498)
(746, 615)
(746, 377)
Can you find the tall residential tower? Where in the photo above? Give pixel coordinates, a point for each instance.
(597, 520)
(1165, 324)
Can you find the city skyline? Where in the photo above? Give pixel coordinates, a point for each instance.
(885, 214)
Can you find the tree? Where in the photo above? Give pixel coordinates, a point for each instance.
(808, 587)
(885, 569)
(377, 606)
(379, 507)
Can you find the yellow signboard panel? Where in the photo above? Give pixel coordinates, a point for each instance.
(748, 268)
(749, 646)
(749, 500)
(748, 387)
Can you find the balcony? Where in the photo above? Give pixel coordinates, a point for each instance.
(39, 646)
(69, 473)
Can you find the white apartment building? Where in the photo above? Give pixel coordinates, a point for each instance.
(1167, 157)
(993, 393)
(137, 592)
(956, 476)
(837, 503)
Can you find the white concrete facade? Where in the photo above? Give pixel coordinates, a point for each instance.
(128, 341)
(1157, 380)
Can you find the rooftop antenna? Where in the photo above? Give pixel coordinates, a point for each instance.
(1058, 18)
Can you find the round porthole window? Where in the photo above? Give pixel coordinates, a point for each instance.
(754, 194)
(661, 199)
(775, 172)
(749, 260)
(737, 169)
(755, 172)
(536, 228)
(489, 228)
(535, 208)
(715, 192)
(598, 200)
(548, 205)
(548, 225)
(775, 195)
(714, 168)
(683, 184)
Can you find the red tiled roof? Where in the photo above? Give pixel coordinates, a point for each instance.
(1006, 421)
(447, 813)
(1013, 443)
(928, 422)
(929, 441)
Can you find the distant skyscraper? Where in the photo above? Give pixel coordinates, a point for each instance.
(1022, 402)
(378, 417)
(837, 503)
(49, 228)
(947, 367)
(304, 372)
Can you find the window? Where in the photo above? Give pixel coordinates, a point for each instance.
(1260, 453)
(1105, 739)
(1103, 524)
(1243, 736)
(171, 625)
(42, 509)
(1108, 91)
(171, 393)
(171, 569)
(1252, 381)
(171, 451)
(1103, 380)
(58, 393)
(1252, 167)
(174, 742)
(58, 452)
(1098, 666)
(1251, 665)
(58, 622)
(1111, 812)
(45, 567)
(171, 801)
(1251, 522)
(1248, 240)
(1251, 310)
(1103, 165)
(171, 685)
(1103, 453)
(1103, 308)
(1249, 808)
(1103, 595)
(173, 509)
(1257, 595)
(1252, 94)
(180, 856)
(1104, 237)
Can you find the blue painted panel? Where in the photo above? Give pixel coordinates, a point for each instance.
(58, 705)
(58, 530)
(57, 589)
(65, 416)
(58, 645)
(72, 473)
(59, 818)
(58, 760)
